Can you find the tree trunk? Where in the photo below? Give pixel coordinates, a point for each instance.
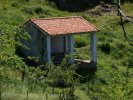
(27, 95)
(46, 96)
(23, 75)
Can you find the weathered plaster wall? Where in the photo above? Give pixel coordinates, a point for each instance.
(57, 44)
(36, 44)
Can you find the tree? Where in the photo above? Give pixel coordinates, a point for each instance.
(63, 75)
(8, 59)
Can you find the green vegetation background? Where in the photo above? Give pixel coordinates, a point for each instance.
(113, 79)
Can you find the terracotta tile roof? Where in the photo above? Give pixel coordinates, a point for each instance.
(64, 25)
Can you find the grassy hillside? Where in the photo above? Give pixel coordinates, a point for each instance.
(113, 79)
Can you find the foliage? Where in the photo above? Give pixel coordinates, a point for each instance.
(112, 80)
(79, 5)
(15, 4)
(35, 77)
(7, 58)
(62, 73)
(105, 47)
(63, 76)
(38, 10)
(80, 41)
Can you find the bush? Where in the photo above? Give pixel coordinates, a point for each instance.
(105, 47)
(118, 50)
(32, 10)
(80, 42)
(128, 62)
(75, 5)
(79, 5)
(29, 10)
(4, 8)
(15, 4)
(38, 10)
(108, 1)
(24, 1)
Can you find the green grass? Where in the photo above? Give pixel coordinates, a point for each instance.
(109, 81)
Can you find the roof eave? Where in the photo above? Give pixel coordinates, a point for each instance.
(76, 33)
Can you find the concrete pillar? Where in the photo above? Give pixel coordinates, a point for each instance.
(71, 47)
(48, 49)
(66, 44)
(93, 47)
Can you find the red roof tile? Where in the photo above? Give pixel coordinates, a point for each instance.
(64, 25)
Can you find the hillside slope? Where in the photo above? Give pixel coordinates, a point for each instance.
(113, 79)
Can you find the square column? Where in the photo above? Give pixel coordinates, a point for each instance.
(66, 44)
(93, 47)
(48, 49)
(71, 47)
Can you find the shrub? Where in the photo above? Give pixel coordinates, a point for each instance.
(75, 5)
(80, 42)
(15, 4)
(118, 50)
(128, 62)
(105, 47)
(33, 9)
(52, 4)
(8, 59)
(38, 10)
(4, 8)
(24, 1)
(29, 10)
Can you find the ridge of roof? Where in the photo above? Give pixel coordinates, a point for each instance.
(53, 18)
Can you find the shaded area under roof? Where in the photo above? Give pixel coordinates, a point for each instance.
(64, 25)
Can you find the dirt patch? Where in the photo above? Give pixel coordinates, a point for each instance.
(103, 9)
